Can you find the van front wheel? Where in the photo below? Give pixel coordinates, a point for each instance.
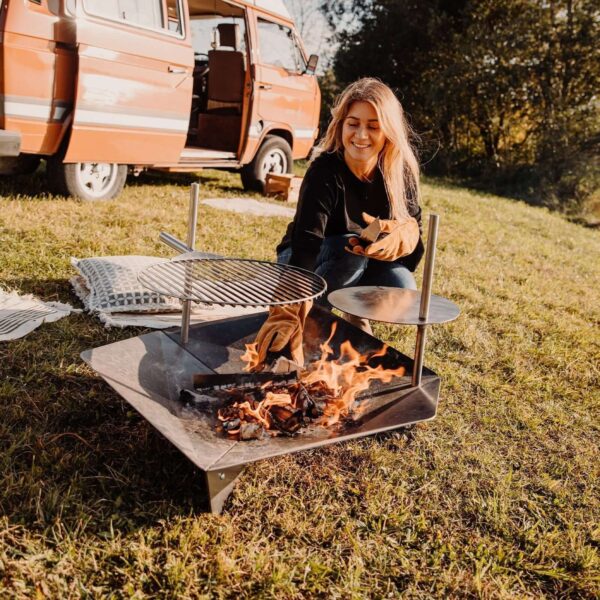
(87, 180)
(274, 156)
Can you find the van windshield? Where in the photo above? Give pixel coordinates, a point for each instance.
(205, 35)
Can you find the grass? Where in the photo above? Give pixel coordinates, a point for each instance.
(497, 498)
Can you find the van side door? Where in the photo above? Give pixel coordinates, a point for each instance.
(134, 81)
(286, 96)
(37, 68)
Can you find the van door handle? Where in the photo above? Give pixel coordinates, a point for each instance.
(180, 70)
(264, 86)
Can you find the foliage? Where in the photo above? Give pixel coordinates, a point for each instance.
(329, 90)
(312, 27)
(497, 87)
(498, 497)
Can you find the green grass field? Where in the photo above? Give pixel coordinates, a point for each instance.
(497, 498)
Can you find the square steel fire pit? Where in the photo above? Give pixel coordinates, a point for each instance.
(149, 371)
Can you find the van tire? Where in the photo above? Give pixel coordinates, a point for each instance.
(86, 181)
(274, 156)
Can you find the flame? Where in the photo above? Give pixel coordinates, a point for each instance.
(344, 378)
(250, 357)
(260, 412)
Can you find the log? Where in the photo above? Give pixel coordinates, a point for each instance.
(285, 185)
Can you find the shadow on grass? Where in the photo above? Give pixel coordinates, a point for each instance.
(47, 290)
(71, 449)
(162, 178)
(35, 187)
(25, 187)
(206, 179)
(74, 451)
(477, 188)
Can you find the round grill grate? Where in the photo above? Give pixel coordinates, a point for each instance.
(233, 282)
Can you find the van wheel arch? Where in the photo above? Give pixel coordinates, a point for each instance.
(273, 156)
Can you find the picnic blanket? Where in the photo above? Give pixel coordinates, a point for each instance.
(111, 292)
(173, 319)
(19, 315)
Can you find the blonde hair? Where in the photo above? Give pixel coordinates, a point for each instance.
(397, 159)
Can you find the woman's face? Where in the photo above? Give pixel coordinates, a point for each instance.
(362, 137)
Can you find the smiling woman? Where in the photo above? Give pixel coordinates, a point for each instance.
(364, 169)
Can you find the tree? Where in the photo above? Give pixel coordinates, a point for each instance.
(503, 86)
(313, 28)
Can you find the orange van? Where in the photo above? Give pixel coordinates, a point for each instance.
(98, 88)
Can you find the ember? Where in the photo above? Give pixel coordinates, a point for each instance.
(324, 393)
(276, 410)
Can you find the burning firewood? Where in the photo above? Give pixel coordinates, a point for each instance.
(287, 418)
(322, 394)
(232, 425)
(275, 409)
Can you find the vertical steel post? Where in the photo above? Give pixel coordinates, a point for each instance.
(425, 299)
(191, 242)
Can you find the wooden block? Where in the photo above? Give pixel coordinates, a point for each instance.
(277, 184)
(284, 185)
(371, 232)
(280, 177)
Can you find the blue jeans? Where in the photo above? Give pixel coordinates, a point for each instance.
(342, 269)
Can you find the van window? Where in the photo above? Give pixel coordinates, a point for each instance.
(174, 20)
(277, 46)
(204, 32)
(139, 12)
(144, 13)
(44, 6)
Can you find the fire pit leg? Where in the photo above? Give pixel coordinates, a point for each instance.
(191, 242)
(220, 484)
(419, 354)
(425, 299)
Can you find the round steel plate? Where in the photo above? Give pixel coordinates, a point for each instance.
(392, 305)
(232, 281)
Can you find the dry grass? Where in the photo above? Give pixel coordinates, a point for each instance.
(497, 498)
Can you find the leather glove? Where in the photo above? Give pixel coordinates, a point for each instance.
(400, 240)
(283, 327)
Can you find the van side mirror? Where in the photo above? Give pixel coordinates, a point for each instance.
(312, 63)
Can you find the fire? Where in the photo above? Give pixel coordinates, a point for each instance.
(250, 357)
(259, 413)
(334, 382)
(346, 376)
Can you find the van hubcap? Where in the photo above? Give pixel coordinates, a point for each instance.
(274, 162)
(97, 178)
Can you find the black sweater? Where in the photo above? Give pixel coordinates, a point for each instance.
(332, 200)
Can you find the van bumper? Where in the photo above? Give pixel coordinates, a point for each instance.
(10, 143)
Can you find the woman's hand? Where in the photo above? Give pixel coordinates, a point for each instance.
(400, 239)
